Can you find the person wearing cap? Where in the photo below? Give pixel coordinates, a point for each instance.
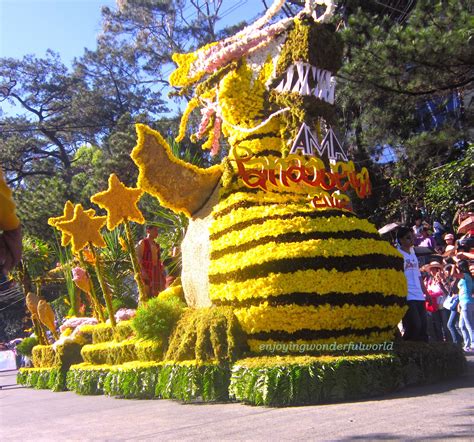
(436, 287)
(450, 248)
(449, 239)
(414, 321)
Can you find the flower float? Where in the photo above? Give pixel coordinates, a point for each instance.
(272, 231)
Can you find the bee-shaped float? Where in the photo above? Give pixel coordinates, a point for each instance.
(271, 230)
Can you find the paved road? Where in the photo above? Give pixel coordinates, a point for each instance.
(435, 412)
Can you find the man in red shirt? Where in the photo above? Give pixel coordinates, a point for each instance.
(149, 258)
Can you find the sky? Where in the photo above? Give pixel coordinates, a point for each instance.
(69, 26)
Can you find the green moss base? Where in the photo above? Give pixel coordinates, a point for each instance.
(263, 380)
(298, 380)
(145, 380)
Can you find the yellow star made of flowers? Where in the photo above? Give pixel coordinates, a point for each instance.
(120, 202)
(84, 228)
(68, 213)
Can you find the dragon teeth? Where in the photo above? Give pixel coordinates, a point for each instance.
(297, 80)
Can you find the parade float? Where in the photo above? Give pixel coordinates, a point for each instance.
(286, 295)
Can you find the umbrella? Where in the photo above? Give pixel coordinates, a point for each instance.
(466, 225)
(388, 228)
(423, 251)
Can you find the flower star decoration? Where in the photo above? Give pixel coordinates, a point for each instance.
(68, 214)
(120, 202)
(84, 228)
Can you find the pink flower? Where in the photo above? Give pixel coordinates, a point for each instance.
(124, 314)
(81, 279)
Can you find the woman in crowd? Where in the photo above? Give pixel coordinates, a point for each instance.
(451, 306)
(437, 288)
(414, 321)
(466, 303)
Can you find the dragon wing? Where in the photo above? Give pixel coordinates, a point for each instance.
(179, 186)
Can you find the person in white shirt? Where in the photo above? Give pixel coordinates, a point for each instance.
(414, 321)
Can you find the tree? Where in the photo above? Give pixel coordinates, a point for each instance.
(399, 69)
(44, 90)
(155, 30)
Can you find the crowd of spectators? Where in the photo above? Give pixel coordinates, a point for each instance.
(439, 265)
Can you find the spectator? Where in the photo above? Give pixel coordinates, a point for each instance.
(437, 288)
(438, 230)
(451, 304)
(466, 303)
(426, 239)
(418, 228)
(450, 241)
(414, 321)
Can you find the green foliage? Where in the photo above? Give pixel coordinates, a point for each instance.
(207, 334)
(117, 267)
(394, 66)
(156, 319)
(450, 184)
(295, 380)
(86, 382)
(42, 378)
(187, 382)
(38, 256)
(65, 259)
(134, 381)
(264, 380)
(299, 380)
(25, 347)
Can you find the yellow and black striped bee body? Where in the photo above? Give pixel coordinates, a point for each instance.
(297, 275)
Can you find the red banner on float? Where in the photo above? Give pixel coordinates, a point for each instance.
(269, 173)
